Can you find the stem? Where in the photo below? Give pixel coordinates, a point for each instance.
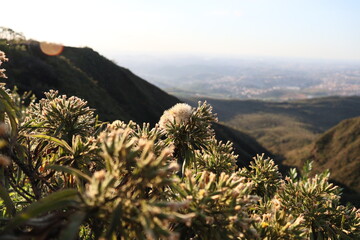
(29, 173)
(23, 192)
(313, 231)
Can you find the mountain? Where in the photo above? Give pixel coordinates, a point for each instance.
(114, 91)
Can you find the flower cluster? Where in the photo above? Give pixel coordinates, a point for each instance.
(177, 115)
(2, 59)
(217, 157)
(60, 116)
(219, 206)
(188, 130)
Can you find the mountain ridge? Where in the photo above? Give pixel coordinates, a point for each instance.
(70, 73)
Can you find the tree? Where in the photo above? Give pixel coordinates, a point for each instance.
(11, 35)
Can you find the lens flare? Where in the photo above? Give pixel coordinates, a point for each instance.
(51, 49)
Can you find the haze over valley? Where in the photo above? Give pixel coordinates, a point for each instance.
(246, 77)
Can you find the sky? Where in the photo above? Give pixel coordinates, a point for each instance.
(319, 29)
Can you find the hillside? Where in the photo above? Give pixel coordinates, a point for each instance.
(115, 92)
(285, 126)
(338, 150)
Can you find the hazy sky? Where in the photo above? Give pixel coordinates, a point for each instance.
(327, 29)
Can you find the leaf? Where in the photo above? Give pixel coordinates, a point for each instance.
(10, 109)
(69, 170)
(60, 142)
(12, 117)
(115, 221)
(57, 200)
(7, 201)
(72, 228)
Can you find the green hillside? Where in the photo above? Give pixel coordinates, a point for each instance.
(285, 126)
(338, 150)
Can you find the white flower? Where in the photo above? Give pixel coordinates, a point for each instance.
(100, 175)
(2, 59)
(178, 114)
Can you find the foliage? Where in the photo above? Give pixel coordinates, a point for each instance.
(220, 206)
(65, 175)
(294, 132)
(317, 201)
(59, 116)
(265, 176)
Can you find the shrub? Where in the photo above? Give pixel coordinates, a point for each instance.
(65, 175)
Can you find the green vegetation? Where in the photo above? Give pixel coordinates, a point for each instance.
(292, 131)
(278, 133)
(65, 175)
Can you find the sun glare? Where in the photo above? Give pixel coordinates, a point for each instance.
(51, 49)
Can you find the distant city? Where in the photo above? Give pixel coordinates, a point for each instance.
(247, 78)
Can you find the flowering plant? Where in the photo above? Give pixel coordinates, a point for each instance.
(65, 175)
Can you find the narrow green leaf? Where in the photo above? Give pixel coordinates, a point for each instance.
(69, 170)
(5, 95)
(7, 201)
(72, 228)
(10, 110)
(115, 221)
(58, 200)
(60, 142)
